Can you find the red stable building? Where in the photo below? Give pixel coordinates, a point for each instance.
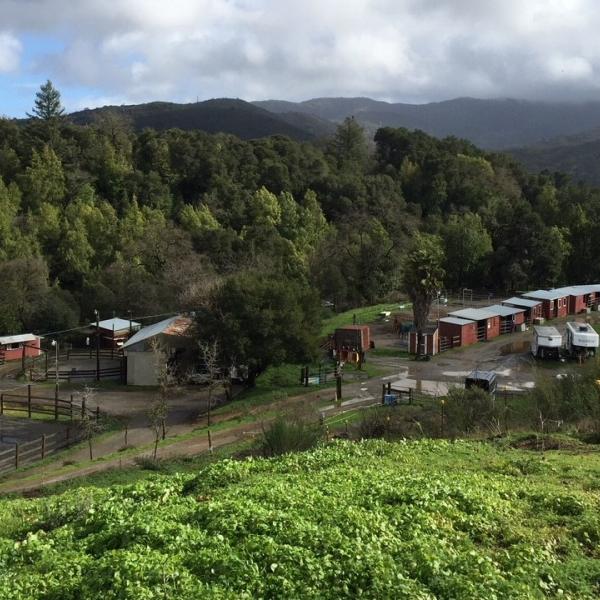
(555, 303)
(351, 342)
(12, 346)
(511, 317)
(532, 308)
(488, 321)
(454, 332)
(580, 297)
(429, 341)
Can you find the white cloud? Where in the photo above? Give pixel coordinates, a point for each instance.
(10, 52)
(407, 50)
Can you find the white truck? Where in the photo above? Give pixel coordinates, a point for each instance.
(546, 343)
(581, 340)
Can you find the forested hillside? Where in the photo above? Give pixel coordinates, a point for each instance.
(101, 216)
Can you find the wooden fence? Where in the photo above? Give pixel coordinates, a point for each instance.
(25, 453)
(86, 374)
(45, 406)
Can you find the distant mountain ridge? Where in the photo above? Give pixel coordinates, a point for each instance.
(226, 115)
(555, 136)
(493, 124)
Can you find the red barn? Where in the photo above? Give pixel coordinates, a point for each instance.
(510, 317)
(429, 341)
(555, 303)
(533, 308)
(488, 321)
(12, 346)
(454, 332)
(350, 342)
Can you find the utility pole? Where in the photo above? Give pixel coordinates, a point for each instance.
(55, 344)
(97, 344)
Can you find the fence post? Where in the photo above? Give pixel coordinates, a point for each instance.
(56, 408)
(383, 393)
(83, 408)
(71, 408)
(210, 446)
(1, 404)
(98, 417)
(43, 445)
(301, 375)
(16, 455)
(29, 401)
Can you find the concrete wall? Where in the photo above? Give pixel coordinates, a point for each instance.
(141, 368)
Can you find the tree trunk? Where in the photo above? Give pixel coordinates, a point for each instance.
(209, 405)
(156, 438)
(90, 448)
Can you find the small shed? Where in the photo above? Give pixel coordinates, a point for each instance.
(511, 317)
(454, 332)
(488, 321)
(580, 297)
(533, 308)
(13, 346)
(115, 332)
(429, 341)
(351, 342)
(555, 303)
(173, 336)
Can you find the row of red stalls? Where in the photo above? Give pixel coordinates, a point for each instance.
(471, 325)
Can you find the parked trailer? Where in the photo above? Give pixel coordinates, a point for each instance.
(546, 343)
(486, 380)
(581, 340)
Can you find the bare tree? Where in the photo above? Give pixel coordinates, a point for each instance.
(89, 425)
(167, 385)
(209, 353)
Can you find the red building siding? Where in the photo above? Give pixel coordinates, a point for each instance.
(350, 341)
(492, 327)
(430, 339)
(466, 333)
(32, 349)
(577, 304)
(553, 309)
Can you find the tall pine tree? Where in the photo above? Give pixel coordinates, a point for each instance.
(47, 104)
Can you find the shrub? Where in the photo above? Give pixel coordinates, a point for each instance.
(289, 435)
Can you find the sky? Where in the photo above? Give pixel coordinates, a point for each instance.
(100, 52)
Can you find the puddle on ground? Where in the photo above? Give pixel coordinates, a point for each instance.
(519, 347)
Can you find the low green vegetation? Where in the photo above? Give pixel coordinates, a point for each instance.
(418, 520)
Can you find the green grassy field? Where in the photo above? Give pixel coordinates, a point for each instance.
(423, 520)
(364, 315)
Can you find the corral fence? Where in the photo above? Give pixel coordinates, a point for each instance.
(25, 453)
(33, 405)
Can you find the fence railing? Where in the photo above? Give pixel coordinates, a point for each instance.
(81, 374)
(25, 453)
(55, 407)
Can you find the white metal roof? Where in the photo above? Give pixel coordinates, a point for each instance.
(546, 331)
(526, 302)
(546, 294)
(456, 321)
(475, 314)
(117, 324)
(506, 311)
(586, 289)
(17, 339)
(152, 330)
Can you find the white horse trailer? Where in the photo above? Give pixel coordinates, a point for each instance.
(581, 340)
(546, 343)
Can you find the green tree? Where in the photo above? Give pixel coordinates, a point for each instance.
(423, 277)
(348, 146)
(44, 179)
(467, 244)
(261, 320)
(47, 104)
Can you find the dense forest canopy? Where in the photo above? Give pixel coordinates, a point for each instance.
(98, 216)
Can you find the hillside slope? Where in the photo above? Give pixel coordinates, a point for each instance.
(421, 520)
(577, 156)
(493, 124)
(213, 116)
